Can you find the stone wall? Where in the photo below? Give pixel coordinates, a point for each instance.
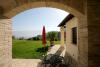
(12, 4)
(93, 16)
(88, 27)
(71, 48)
(5, 43)
(82, 42)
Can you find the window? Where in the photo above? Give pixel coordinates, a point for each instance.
(65, 34)
(74, 35)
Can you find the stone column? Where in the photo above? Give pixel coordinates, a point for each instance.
(62, 35)
(83, 42)
(5, 43)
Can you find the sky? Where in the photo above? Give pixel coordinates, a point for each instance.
(30, 22)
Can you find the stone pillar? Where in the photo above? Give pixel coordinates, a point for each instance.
(83, 42)
(5, 43)
(62, 35)
(93, 16)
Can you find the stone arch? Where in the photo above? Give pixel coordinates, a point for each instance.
(80, 15)
(31, 5)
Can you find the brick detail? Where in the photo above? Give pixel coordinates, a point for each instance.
(5, 42)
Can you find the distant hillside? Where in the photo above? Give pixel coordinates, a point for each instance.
(26, 34)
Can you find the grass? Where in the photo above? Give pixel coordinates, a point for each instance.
(25, 49)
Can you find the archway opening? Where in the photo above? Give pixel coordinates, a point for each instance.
(27, 31)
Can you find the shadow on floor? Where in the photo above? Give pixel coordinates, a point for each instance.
(68, 59)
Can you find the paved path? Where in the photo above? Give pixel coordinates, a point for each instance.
(32, 62)
(57, 49)
(53, 49)
(25, 62)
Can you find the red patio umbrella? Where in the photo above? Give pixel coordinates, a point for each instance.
(44, 36)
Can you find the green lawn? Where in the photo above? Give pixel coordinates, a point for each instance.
(25, 49)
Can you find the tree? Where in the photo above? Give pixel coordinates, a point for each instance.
(29, 39)
(34, 38)
(39, 36)
(13, 37)
(21, 38)
(51, 37)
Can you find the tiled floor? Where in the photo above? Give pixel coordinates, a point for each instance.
(25, 62)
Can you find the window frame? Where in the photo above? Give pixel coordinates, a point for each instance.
(74, 35)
